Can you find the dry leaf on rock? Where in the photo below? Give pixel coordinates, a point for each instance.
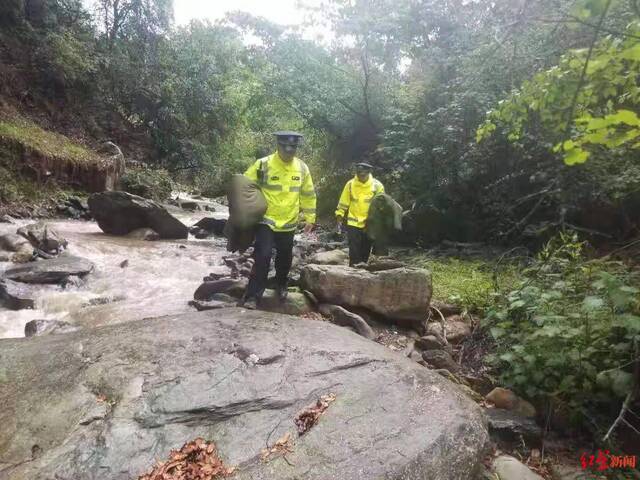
(308, 417)
(196, 460)
(282, 446)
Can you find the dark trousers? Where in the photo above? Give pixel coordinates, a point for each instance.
(359, 245)
(266, 240)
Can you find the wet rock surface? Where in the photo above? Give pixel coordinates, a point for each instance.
(119, 213)
(42, 326)
(18, 296)
(55, 270)
(345, 318)
(510, 427)
(107, 403)
(43, 238)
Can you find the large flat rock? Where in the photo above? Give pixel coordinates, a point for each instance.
(54, 270)
(107, 403)
(397, 294)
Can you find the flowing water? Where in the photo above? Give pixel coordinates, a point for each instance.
(158, 278)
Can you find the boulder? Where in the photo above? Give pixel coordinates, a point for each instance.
(147, 234)
(42, 327)
(110, 402)
(119, 213)
(43, 238)
(345, 318)
(506, 399)
(332, 257)
(55, 270)
(212, 225)
(509, 468)
(398, 294)
(509, 426)
(7, 219)
(440, 359)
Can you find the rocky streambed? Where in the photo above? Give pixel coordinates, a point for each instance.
(122, 369)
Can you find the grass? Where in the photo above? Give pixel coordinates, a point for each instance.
(468, 283)
(47, 143)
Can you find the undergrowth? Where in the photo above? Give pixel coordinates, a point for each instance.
(568, 333)
(47, 143)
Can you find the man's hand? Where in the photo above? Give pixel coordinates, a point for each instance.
(308, 228)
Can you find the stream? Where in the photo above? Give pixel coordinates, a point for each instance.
(158, 278)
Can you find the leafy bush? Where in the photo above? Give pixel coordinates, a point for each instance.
(147, 183)
(567, 333)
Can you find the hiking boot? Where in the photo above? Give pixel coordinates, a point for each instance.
(281, 293)
(250, 303)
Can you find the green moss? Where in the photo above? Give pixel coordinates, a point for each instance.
(47, 143)
(467, 283)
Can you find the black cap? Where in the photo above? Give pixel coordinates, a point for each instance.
(364, 165)
(287, 137)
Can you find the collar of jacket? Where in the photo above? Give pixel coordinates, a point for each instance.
(281, 163)
(367, 183)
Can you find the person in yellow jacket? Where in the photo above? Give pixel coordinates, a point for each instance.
(287, 186)
(354, 205)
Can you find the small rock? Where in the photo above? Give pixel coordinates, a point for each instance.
(229, 286)
(5, 256)
(42, 327)
(510, 426)
(446, 309)
(43, 238)
(506, 399)
(124, 264)
(189, 205)
(415, 356)
(440, 359)
(213, 225)
(457, 331)
(509, 468)
(147, 234)
(429, 342)
(567, 472)
(295, 304)
(202, 305)
(201, 233)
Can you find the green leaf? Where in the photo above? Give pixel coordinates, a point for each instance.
(632, 53)
(575, 156)
(624, 116)
(497, 332)
(592, 303)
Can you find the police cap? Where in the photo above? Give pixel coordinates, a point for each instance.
(287, 137)
(364, 166)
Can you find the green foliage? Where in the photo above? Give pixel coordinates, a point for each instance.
(155, 184)
(567, 331)
(584, 111)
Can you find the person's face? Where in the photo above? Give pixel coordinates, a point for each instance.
(363, 174)
(287, 152)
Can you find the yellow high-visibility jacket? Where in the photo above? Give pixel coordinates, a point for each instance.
(288, 189)
(356, 198)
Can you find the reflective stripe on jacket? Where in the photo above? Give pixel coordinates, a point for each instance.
(288, 189)
(356, 198)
